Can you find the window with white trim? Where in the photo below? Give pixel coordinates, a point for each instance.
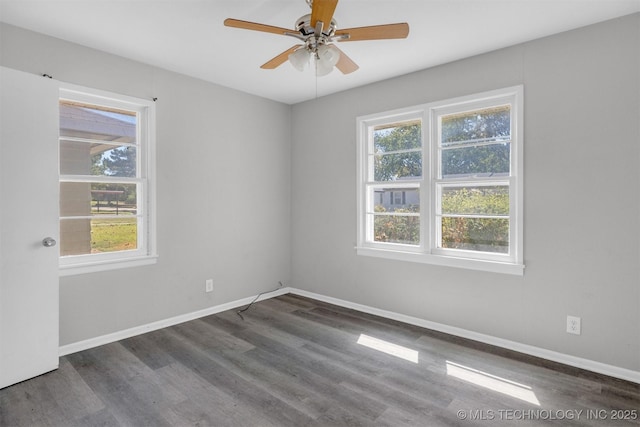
(106, 170)
(441, 183)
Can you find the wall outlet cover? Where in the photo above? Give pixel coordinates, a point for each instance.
(573, 325)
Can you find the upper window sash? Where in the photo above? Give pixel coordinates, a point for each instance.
(377, 152)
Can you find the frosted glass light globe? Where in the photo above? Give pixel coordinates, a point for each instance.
(299, 58)
(326, 58)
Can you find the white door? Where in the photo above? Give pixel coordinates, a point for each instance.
(28, 214)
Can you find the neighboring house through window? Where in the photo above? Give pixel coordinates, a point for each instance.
(106, 171)
(448, 180)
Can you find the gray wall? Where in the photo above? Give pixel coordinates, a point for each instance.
(582, 198)
(223, 191)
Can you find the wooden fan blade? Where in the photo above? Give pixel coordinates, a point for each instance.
(322, 10)
(345, 64)
(246, 25)
(375, 32)
(280, 59)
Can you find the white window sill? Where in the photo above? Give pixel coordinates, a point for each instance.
(105, 265)
(447, 261)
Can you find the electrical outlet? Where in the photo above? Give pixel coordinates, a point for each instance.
(573, 325)
(208, 286)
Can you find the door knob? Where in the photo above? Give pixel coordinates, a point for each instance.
(48, 242)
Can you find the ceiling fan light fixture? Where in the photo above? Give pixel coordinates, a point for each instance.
(300, 59)
(328, 54)
(327, 57)
(322, 68)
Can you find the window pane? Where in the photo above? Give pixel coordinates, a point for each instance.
(478, 200)
(90, 236)
(397, 136)
(488, 160)
(85, 199)
(396, 199)
(390, 167)
(75, 237)
(397, 229)
(491, 124)
(113, 199)
(75, 199)
(82, 158)
(476, 234)
(114, 234)
(92, 122)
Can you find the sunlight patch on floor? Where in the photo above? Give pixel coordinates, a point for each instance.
(492, 382)
(389, 348)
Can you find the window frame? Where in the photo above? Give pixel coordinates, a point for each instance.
(431, 183)
(146, 252)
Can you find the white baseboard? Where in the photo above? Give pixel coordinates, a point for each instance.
(578, 362)
(590, 365)
(138, 330)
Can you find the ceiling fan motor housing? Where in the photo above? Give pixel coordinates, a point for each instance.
(303, 25)
(308, 33)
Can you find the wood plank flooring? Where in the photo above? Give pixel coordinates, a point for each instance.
(294, 361)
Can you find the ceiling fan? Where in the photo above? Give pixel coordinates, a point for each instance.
(318, 31)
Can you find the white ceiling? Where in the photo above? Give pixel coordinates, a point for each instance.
(188, 36)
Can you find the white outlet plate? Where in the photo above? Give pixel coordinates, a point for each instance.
(208, 286)
(573, 325)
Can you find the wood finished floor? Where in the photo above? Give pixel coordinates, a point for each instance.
(294, 361)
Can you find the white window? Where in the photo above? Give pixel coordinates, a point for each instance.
(106, 181)
(394, 168)
(453, 172)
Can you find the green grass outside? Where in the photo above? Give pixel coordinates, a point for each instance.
(110, 235)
